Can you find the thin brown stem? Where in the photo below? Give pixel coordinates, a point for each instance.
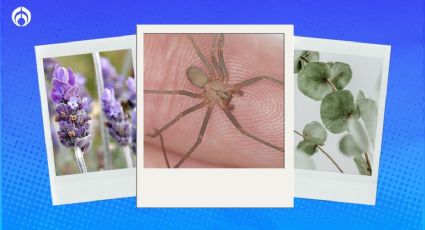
(324, 152)
(368, 162)
(300, 134)
(304, 59)
(332, 85)
(330, 158)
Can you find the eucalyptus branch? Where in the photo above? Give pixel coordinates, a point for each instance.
(339, 112)
(324, 152)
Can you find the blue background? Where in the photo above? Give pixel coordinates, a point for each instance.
(25, 183)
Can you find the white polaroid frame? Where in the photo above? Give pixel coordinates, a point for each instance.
(217, 187)
(335, 186)
(101, 185)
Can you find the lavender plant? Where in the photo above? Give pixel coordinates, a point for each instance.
(80, 80)
(74, 127)
(339, 112)
(50, 64)
(131, 85)
(118, 124)
(111, 79)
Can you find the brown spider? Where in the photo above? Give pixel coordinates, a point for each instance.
(216, 91)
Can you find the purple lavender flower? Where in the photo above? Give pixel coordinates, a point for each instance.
(131, 85)
(111, 79)
(118, 125)
(134, 131)
(74, 127)
(108, 70)
(63, 80)
(49, 65)
(81, 81)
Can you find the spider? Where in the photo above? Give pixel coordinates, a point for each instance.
(215, 92)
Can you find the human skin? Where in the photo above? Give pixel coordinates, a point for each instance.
(260, 110)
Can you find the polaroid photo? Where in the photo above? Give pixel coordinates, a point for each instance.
(340, 89)
(217, 116)
(88, 100)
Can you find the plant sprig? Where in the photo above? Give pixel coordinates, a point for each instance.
(339, 112)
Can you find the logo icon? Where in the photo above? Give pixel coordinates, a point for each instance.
(21, 16)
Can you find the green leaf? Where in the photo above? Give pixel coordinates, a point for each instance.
(303, 57)
(312, 80)
(316, 80)
(303, 161)
(315, 130)
(360, 96)
(369, 114)
(359, 134)
(348, 146)
(361, 165)
(340, 74)
(336, 109)
(308, 146)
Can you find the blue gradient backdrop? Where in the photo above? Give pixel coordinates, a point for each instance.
(25, 184)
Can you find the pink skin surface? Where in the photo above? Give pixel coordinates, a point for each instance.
(260, 110)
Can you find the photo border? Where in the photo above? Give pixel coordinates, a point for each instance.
(218, 187)
(335, 186)
(100, 185)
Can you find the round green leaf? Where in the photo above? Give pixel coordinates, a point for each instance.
(359, 134)
(360, 96)
(340, 74)
(303, 161)
(369, 113)
(308, 146)
(348, 146)
(315, 130)
(312, 80)
(303, 57)
(336, 109)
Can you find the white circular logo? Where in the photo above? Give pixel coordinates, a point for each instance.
(21, 16)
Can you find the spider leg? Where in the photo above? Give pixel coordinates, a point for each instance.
(178, 92)
(221, 58)
(163, 150)
(214, 60)
(201, 56)
(239, 127)
(251, 81)
(182, 114)
(199, 139)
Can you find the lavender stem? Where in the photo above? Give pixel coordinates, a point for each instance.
(127, 154)
(80, 160)
(104, 134)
